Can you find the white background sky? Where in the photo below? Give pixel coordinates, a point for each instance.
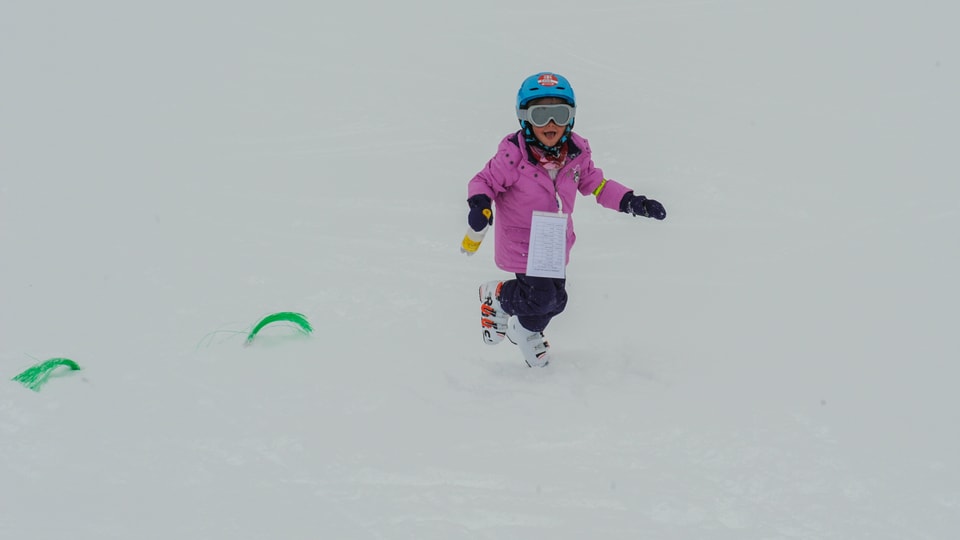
(776, 360)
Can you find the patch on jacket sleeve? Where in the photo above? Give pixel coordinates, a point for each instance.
(596, 192)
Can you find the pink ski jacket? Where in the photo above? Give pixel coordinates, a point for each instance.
(518, 187)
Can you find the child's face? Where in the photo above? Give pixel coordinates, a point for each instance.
(551, 133)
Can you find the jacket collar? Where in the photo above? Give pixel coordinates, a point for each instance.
(573, 150)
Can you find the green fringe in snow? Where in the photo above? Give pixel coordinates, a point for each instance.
(298, 319)
(38, 375)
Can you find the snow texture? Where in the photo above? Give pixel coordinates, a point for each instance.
(776, 360)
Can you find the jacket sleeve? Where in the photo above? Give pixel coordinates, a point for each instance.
(608, 192)
(499, 173)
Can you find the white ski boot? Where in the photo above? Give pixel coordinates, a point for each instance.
(493, 319)
(536, 350)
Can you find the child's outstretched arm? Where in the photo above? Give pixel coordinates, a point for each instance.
(616, 196)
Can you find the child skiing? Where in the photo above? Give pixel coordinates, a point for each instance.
(537, 169)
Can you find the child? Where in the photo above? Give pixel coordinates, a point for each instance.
(539, 168)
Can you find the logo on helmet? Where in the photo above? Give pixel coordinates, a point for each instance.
(548, 79)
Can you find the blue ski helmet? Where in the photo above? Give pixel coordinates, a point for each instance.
(542, 85)
(545, 84)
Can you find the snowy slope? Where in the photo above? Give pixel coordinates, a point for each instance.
(776, 360)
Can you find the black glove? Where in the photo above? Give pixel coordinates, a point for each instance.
(638, 205)
(481, 214)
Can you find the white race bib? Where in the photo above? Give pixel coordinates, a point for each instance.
(548, 245)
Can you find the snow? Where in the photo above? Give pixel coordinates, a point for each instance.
(775, 360)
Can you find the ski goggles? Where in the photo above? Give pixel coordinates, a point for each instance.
(541, 115)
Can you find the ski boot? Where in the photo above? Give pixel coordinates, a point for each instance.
(493, 319)
(533, 345)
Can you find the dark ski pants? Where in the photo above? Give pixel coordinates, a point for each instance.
(534, 300)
